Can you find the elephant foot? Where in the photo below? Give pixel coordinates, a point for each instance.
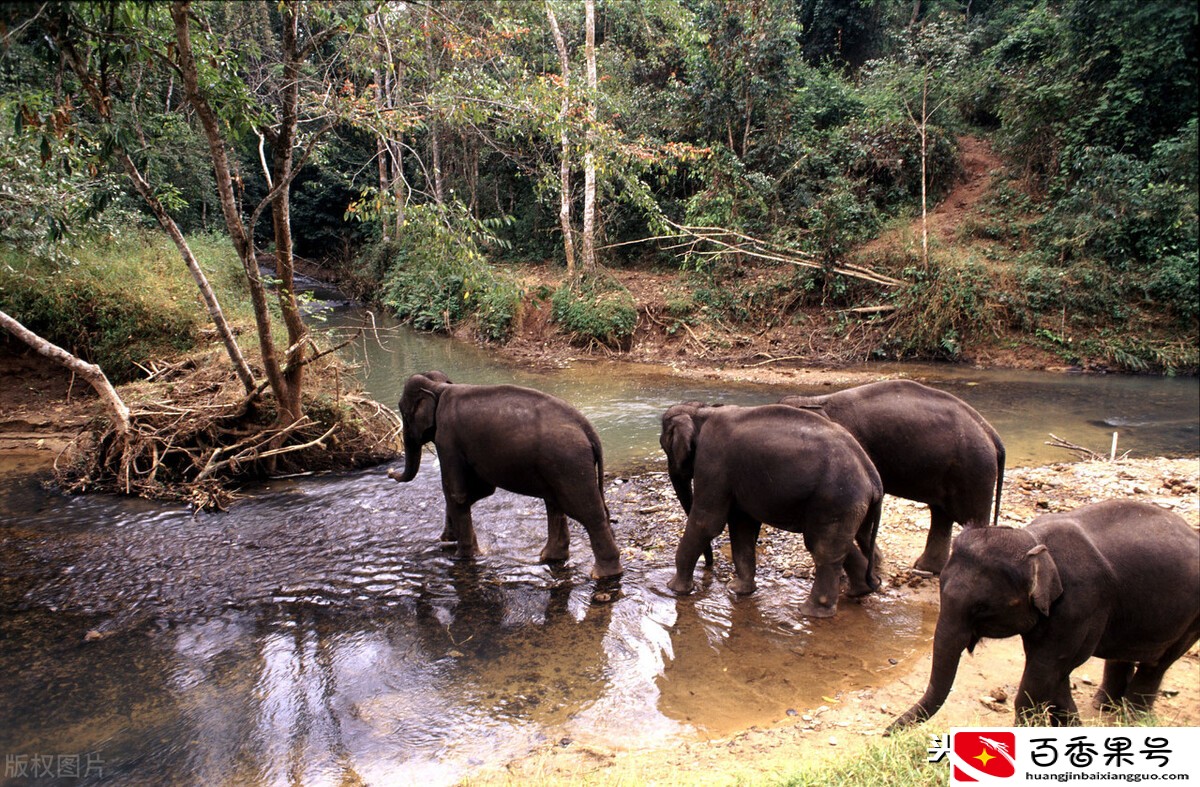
(680, 587)
(742, 587)
(607, 570)
(1102, 701)
(811, 608)
(932, 564)
(861, 587)
(549, 555)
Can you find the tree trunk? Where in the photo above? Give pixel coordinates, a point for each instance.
(206, 292)
(589, 156)
(243, 243)
(88, 371)
(290, 408)
(434, 127)
(102, 102)
(924, 129)
(564, 139)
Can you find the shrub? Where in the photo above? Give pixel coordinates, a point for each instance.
(435, 275)
(596, 309)
(941, 307)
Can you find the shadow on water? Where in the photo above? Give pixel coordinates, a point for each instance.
(318, 632)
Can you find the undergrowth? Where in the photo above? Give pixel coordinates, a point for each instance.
(436, 276)
(596, 309)
(121, 301)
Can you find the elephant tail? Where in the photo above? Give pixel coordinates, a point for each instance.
(999, 477)
(598, 456)
(868, 535)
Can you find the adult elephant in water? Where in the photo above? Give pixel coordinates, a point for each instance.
(513, 438)
(928, 446)
(795, 470)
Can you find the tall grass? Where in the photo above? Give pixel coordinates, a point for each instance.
(121, 301)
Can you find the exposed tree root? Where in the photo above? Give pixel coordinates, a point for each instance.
(194, 437)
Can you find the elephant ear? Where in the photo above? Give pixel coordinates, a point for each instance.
(1044, 585)
(422, 392)
(682, 449)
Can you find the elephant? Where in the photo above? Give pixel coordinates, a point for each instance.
(928, 446)
(796, 470)
(1119, 580)
(513, 438)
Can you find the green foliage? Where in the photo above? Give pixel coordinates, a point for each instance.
(596, 309)
(121, 302)
(942, 307)
(435, 275)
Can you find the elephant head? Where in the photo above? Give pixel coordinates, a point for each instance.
(999, 582)
(680, 427)
(418, 411)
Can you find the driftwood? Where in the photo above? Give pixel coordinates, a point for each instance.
(725, 242)
(1087, 453)
(204, 437)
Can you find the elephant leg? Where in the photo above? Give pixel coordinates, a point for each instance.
(823, 598)
(743, 544)
(462, 489)
(703, 525)
(937, 543)
(558, 539)
(1045, 691)
(448, 538)
(1112, 688)
(458, 515)
(585, 504)
(1143, 688)
(828, 558)
(855, 565)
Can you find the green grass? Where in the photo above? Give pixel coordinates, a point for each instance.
(901, 760)
(122, 301)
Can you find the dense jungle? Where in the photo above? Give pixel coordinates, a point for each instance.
(211, 213)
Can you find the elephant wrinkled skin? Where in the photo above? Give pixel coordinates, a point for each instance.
(928, 446)
(1119, 580)
(513, 438)
(792, 469)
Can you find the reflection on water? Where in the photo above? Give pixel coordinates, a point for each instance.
(1154, 416)
(318, 633)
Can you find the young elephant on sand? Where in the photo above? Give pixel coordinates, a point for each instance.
(1119, 580)
(518, 439)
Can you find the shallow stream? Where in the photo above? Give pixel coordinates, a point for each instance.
(317, 633)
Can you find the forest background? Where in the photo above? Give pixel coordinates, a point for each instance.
(693, 174)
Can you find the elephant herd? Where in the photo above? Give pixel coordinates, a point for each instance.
(1119, 579)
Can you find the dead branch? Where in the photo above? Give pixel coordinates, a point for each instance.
(1084, 453)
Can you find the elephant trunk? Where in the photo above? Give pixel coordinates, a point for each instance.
(683, 489)
(412, 459)
(949, 641)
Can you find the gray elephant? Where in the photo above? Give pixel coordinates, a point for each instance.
(1119, 580)
(928, 446)
(513, 438)
(795, 470)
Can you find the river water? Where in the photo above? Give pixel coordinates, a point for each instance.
(318, 634)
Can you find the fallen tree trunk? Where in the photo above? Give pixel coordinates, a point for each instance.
(88, 371)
